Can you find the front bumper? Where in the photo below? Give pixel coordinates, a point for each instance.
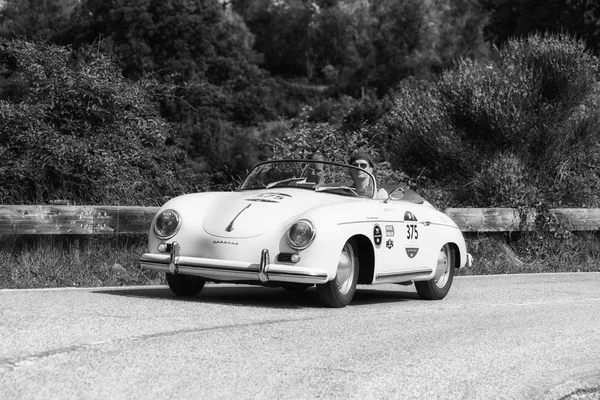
(227, 270)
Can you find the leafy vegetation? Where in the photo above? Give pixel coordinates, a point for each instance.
(40, 262)
(75, 129)
(128, 102)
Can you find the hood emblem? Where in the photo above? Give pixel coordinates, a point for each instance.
(230, 226)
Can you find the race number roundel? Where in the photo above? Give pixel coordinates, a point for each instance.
(377, 236)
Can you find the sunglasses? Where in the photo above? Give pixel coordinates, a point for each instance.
(362, 165)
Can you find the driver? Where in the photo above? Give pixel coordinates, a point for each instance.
(362, 181)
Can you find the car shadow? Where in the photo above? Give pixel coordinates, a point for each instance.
(259, 296)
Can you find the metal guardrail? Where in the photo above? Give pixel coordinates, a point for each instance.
(81, 220)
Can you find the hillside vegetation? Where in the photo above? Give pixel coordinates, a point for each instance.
(128, 103)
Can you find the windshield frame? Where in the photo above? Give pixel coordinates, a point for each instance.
(341, 166)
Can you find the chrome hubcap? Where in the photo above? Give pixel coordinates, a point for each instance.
(442, 269)
(345, 270)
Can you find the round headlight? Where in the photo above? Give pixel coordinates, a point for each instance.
(167, 224)
(301, 234)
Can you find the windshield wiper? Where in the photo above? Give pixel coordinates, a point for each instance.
(288, 180)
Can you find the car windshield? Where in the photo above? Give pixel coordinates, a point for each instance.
(319, 176)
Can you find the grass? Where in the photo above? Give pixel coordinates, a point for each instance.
(533, 252)
(71, 261)
(87, 261)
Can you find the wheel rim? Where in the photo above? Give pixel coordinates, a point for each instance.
(442, 269)
(345, 270)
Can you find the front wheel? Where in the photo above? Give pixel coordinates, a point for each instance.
(185, 285)
(340, 291)
(437, 288)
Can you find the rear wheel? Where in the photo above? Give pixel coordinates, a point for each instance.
(340, 291)
(185, 285)
(437, 288)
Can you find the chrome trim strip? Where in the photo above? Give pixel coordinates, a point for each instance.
(399, 275)
(230, 226)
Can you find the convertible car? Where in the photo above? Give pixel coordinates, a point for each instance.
(299, 223)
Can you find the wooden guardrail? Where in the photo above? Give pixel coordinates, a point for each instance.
(63, 219)
(79, 220)
(514, 220)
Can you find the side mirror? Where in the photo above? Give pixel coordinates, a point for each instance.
(392, 195)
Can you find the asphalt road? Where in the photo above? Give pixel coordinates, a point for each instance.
(493, 337)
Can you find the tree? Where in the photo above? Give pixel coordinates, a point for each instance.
(198, 46)
(76, 129)
(172, 38)
(34, 19)
(520, 18)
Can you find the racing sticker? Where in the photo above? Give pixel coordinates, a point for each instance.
(389, 244)
(389, 230)
(377, 236)
(411, 252)
(269, 197)
(412, 235)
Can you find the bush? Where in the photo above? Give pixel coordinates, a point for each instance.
(516, 132)
(77, 130)
(503, 181)
(325, 142)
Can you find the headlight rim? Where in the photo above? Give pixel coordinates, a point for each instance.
(309, 242)
(169, 236)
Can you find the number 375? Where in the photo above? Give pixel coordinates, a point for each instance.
(411, 232)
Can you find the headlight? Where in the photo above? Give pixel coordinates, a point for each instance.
(167, 224)
(301, 234)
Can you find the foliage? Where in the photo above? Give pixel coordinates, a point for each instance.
(512, 132)
(77, 130)
(355, 44)
(324, 142)
(503, 181)
(172, 38)
(521, 18)
(532, 252)
(67, 261)
(206, 52)
(34, 19)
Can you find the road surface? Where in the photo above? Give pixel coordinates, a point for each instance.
(493, 337)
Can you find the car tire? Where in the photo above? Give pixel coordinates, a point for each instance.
(185, 285)
(339, 292)
(438, 287)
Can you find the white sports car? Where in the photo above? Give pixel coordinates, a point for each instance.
(298, 223)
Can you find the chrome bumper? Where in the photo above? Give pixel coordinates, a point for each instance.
(264, 271)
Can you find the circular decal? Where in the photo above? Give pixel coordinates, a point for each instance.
(377, 236)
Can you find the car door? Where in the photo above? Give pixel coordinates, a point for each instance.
(405, 242)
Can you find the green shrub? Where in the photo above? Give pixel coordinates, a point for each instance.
(420, 135)
(79, 131)
(519, 131)
(503, 181)
(325, 142)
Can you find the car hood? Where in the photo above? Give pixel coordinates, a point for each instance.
(251, 213)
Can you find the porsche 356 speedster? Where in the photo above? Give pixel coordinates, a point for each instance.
(299, 223)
